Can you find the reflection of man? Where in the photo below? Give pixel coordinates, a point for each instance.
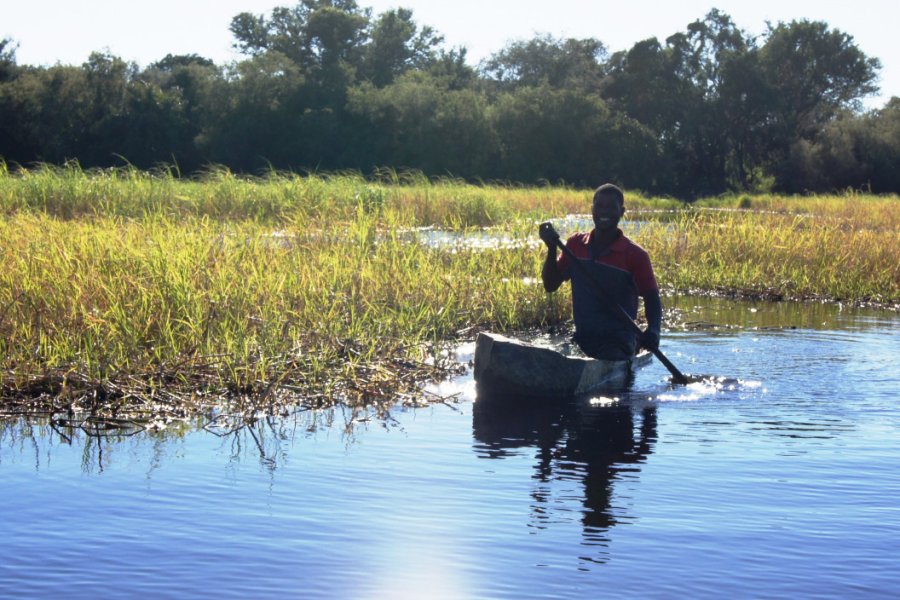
(604, 442)
(598, 442)
(623, 269)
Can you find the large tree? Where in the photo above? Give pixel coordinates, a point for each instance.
(418, 122)
(725, 109)
(851, 152)
(545, 60)
(45, 113)
(256, 118)
(324, 38)
(696, 92)
(815, 72)
(398, 45)
(713, 62)
(7, 59)
(568, 135)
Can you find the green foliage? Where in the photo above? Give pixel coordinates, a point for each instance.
(814, 72)
(698, 94)
(328, 86)
(398, 45)
(7, 59)
(414, 123)
(567, 135)
(144, 280)
(851, 152)
(547, 61)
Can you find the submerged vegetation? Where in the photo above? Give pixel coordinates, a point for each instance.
(124, 291)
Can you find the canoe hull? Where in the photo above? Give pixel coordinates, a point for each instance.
(505, 367)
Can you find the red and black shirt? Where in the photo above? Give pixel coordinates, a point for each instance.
(622, 254)
(624, 272)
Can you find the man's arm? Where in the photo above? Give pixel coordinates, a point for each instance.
(653, 311)
(550, 274)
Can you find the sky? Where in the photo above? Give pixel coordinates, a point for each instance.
(65, 31)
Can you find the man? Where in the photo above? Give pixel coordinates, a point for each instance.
(620, 267)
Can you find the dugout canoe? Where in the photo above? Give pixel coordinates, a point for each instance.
(510, 368)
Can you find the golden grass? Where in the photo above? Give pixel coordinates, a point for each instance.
(132, 285)
(321, 308)
(781, 255)
(71, 193)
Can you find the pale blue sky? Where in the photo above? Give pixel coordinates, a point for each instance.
(65, 31)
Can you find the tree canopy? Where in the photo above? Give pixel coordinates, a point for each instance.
(328, 85)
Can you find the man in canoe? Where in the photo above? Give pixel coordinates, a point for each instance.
(620, 267)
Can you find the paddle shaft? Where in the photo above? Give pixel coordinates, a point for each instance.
(620, 313)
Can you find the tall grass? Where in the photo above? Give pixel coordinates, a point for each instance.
(857, 211)
(69, 192)
(136, 283)
(108, 298)
(781, 255)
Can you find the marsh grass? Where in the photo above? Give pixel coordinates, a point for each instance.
(782, 255)
(123, 290)
(858, 210)
(68, 192)
(109, 310)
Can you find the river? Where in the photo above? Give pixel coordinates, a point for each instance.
(783, 481)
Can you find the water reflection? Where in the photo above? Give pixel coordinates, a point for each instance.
(492, 238)
(591, 442)
(268, 439)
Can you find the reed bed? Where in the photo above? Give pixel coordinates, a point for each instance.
(125, 293)
(851, 210)
(108, 313)
(780, 256)
(69, 192)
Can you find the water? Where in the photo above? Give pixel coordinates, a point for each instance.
(784, 483)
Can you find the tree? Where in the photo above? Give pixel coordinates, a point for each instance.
(196, 80)
(45, 114)
(7, 59)
(851, 152)
(714, 60)
(449, 68)
(699, 92)
(546, 60)
(397, 45)
(568, 135)
(108, 79)
(418, 122)
(643, 84)
(8, 122)
(815, 72)
(310, 33)
(193, 88)
(324, 38)
(255, 115)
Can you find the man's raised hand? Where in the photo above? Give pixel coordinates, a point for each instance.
(548, 234)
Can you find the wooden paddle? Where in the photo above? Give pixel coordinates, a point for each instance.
(677, 376)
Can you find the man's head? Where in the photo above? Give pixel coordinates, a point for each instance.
(608, 206)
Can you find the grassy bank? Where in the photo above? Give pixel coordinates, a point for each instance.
(279, 198)
(781, 256)
(333, 310)
(130, 289)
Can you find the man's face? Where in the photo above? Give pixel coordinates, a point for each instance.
(606, 212)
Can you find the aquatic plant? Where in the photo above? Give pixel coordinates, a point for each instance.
(122, 288)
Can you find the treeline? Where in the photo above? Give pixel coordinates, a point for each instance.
(327, 85)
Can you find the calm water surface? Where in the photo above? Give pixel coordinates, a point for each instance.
(785, 483)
